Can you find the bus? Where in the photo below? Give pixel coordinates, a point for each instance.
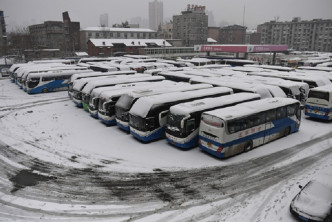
(232, 130)
(183, 119)
(319, 103)
(86, 91)
(312, 81)
(50, 81)
(270, 67)
(21, 76)
(126, 102)
(79, 84)
(147, 117)
(236, 86)
(93, 74)
(291, 89)
(102, 91)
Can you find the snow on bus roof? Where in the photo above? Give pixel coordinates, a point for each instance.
(282, 68)
(326, 88)
(92, 74)
(58, 72)
(208, 103)
(217, 81)
(179, 87)
(248, 108)
(144, 104)
(119, 79)
(97, 92)
(79, 83)
(246, 69)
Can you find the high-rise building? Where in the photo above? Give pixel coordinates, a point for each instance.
(3, 35)
(104, 20)
(191, 26)
(314, 35)
(156, 14)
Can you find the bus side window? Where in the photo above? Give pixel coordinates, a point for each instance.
(231, 127)
(270, 115)
(281, 112)
(291, 109)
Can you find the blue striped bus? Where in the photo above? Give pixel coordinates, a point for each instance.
(232, 130)
(147, 117)
(183, 119)
(319, 103)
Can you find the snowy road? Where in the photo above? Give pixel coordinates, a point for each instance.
(49, 172)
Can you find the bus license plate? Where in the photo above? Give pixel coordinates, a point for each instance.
(209, 144)
(315, 110)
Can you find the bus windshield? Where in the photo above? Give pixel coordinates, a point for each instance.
(174, 121)
(319, 95)
(140, 123)
(33, 82)
(125, 101)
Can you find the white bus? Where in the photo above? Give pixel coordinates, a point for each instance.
(124, 104)
(112, 82)
(147, 117)
(97, 93)
(183, 119)
(319, 103)
(312, 81)
(236, 86)
(79, 84)
(50, 81)
(232, 130)
(93, 74)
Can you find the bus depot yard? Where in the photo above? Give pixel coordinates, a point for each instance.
(58, 163)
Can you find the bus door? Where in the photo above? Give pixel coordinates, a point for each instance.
(270, 116)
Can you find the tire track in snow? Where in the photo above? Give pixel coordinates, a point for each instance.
(89, 186)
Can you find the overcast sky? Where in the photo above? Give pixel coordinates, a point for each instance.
(20, 13)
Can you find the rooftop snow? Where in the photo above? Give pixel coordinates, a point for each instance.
(208, 103)
(144, 104)
(248, 108)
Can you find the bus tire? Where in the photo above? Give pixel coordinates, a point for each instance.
(248, 146)
(44, 90)
(287, 131)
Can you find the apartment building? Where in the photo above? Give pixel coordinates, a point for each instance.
(314, 35)
(191, 26)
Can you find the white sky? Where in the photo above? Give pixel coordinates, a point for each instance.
(27, 12)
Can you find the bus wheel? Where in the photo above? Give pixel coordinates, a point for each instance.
(287, 131)
(248, 146)
(44, 90)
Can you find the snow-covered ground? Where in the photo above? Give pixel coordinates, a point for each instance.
(46, 135)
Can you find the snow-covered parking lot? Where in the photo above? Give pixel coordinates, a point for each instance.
(58, 163)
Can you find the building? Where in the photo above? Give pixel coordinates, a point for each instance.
(71, 33)
(108, 47)
(214, 33)
(191, 26)
(314, 35)
(63, 35)
(233, 34)
(49, 34)
(114, 33)
(104, 20)
(156, 14)
(253, 37)
(3, 34)
(165, 31)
